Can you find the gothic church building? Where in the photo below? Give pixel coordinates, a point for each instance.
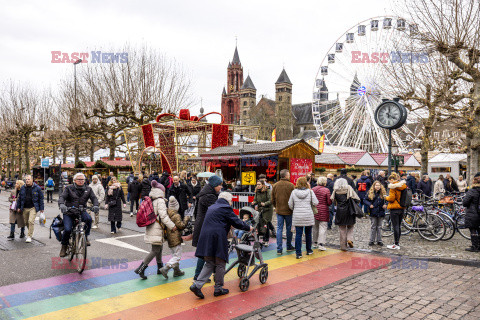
(240, 106)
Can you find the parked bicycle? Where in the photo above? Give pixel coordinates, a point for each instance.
(77, 244)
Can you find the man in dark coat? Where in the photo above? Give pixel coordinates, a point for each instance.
(343, 175)
(425, 186)
(412, 182)
(29, 202)
(74, 196)
(213, 243)
(207, 197)
(363, 185)
(383, 179)
(181, 192)
(472, 214)
(134, 190)
(146, 187)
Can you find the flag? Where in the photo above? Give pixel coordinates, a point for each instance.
(274, 135)
(321, 143)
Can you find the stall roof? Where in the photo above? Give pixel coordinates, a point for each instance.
(328, 158)
(449, 157)
(351, 158)
(270, 147)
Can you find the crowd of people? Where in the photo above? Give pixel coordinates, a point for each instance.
(309, 207)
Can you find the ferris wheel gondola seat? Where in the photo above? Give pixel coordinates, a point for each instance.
(374, 25)
(401, 24)
(338, 47)
(331, 58)
(349, 38)
(361, 30)
(387, 23)
(324, 71)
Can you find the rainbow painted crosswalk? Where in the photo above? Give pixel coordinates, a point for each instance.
(120, 294)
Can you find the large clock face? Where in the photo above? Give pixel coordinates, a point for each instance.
(390, 115)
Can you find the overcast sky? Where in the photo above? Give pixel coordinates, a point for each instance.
(198, 34)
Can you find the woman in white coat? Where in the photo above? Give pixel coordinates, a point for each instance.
(154, 232)
(99, 192)
(301, 201)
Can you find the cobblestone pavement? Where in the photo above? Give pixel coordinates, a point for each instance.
(411, 245)
(439, 291)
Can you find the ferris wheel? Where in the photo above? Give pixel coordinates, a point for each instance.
(353, 79)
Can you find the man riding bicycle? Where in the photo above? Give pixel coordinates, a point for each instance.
(73, 197)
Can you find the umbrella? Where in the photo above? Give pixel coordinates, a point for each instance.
(205, 174)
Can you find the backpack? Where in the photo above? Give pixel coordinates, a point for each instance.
(57, 227)
(406, 198)
(145, 214)
(362, 186)
(49, 183)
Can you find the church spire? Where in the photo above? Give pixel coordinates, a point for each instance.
(236, 58)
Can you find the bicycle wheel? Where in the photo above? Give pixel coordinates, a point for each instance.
(407, 223)
(81, 252)
(431, 227)
(71, 246)
(387, 229)
(460, 224)
(449, 226)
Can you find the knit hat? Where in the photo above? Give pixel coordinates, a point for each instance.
(215, 181)
(156, 184)
(477, 175)
(173, 203)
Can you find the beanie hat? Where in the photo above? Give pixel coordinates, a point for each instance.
(156, 184)
(477, 175)
(215, 181)
(173, 203)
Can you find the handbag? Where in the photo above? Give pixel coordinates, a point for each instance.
(13, 206)
(113, 203)
(314, 208)
(355, 208)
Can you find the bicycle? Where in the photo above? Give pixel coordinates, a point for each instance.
(77, 243)
(429, 226)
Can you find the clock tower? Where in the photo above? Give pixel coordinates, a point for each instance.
(231, 96)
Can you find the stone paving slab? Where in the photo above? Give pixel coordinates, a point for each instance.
(435, 291)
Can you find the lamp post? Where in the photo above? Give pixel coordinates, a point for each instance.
(395, 151)
(241, 145)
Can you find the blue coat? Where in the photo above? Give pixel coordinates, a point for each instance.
(368, 183)
(213, 237)
(425, 187)
(377, 202)
(37, 197)
(412, 183)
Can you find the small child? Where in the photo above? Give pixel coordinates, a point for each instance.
(247, 220)
(174, 239)
(375, 200)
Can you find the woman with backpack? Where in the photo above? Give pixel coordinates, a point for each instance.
(49, 186)
(115, 198)
(375, 200)
(471, 202)
(396, 210)
(154, 233)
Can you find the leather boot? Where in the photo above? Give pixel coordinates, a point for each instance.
(22, 233)
(475, 243)
(177, 272)
(63, 251)
(141, 271)
(11, 236)
(164, 270)
(159, 266)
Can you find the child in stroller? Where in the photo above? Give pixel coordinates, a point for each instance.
(247, 217)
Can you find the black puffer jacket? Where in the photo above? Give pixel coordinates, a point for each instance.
(135, 189)
(471, 202)
(205, 199)
(146, 187)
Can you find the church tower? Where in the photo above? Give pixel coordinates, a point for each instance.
(248, 99)
(231, 96)
(283, 107)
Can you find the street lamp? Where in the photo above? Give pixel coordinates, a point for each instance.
(241, 149)
(75, 79)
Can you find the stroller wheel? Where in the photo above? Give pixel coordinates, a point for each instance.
(241, 271)
(263, 275)
(244, 284)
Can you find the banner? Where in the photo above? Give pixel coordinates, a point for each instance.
(274, 135)
(321, 143)
(299, 168)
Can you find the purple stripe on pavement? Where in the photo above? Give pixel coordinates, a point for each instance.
(72, 277)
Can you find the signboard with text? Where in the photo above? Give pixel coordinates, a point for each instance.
(45, 163)
(299, 168)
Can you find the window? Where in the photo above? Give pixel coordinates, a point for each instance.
(244, 103)
(279, 98)
(441, 169)
(288, 99)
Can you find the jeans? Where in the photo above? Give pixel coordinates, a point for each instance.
(281, 219)
(112, 225)
(128, 196)
(68, 226)
(298, 239)
(331, 210)
(132, 202)
(376, 229)
(396, 216)
(50, 195)
(198, 269)
(239, 233)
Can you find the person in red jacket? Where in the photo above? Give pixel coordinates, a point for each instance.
(323, 216)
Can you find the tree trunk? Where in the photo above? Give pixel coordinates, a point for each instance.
(54, 154)
(77, 151)
(27, 153)
(92, 149)
(474, 128)
(64, 153)
(20, 145)
(112, 145)
(10, 160)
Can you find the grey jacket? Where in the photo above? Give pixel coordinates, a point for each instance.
(300, 202)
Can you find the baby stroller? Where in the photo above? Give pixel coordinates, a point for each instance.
(249, 250)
